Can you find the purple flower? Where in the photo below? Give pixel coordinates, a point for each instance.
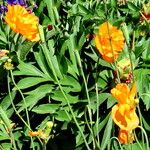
(11, 2)
(3, 9)
(22, 2)
(14, 2)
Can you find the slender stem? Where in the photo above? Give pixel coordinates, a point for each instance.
(97, 113)
(86, 120)
(133, 41)
(86, 89)
(97, 104)
(26, 110)
(45, 51)
(13, 140)
(137, 141)
(24, 101)
(147, 142)
(44, 145)
(14, 105)
(114, 138)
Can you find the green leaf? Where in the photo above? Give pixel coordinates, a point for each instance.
(33, 98)
(6, 102)
(146, 125)
(24, 48)
(28, 70)
(4, 118)
(132, 7)
(101, 124)
(58, 96)
(111, 101)
(41, 89)
(29, 82)
(46, 108)
(42, 63)
(107, 134)
(50, 10)
(101, 98)
(62, 116)
(113, 3)
(41, 32)
(71, 82)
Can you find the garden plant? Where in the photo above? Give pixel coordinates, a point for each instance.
(74, 74)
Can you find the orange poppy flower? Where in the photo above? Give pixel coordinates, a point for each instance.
(23, 22)
(123, 113)
(125, 117)
(124, 95)
(109, 42)
(125, 137)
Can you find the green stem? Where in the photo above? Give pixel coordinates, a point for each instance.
(87, 123)
(13, 140)
(46, 53)
(114, 138)
(44, 145)
(87, 93)
(137, 141)
(147, 142)
(24, 101)
(97, 104)
(97, 113)
(14, 105)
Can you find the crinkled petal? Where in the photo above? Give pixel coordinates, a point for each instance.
(109, 42)
(21, 21)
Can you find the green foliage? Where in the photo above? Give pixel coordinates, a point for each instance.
(63, 79)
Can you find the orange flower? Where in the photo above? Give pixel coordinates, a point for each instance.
(34, 133)
(125, 117)
(124, 95)
(125, 137)
(109, 42)
(21, 21)
(123, 113)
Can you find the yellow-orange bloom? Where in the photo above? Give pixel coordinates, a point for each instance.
(125, 137)
(109, 42)
(34, 133)
(124, 95)
(125, 117)
(123, 113)
(23, 22)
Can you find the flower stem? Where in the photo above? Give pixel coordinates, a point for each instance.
(14, 105)
(46, 53)
(147, 142)
(24, 101)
